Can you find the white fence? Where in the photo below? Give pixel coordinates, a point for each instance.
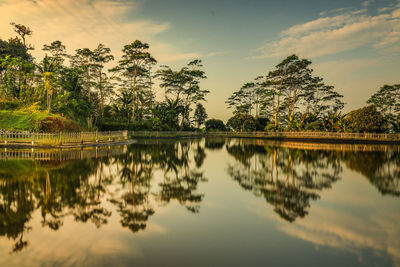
(8, 137)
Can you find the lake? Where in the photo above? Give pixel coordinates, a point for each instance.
(201, 202)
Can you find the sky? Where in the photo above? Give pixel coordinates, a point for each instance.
(353, 44)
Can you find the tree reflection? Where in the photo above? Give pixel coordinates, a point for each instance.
(152, 173)
(82, 189)
(215, 143)
(382, 169)
(288, 179)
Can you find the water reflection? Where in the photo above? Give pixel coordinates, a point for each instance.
(382, 169)
(82, 188)
(290, 178)
(128, 186)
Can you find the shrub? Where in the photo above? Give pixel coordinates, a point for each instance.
(366, 119)
(215, 125)
(56, 124)
(242, 122)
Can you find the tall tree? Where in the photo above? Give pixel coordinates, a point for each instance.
(243, 100)
(184, 85)
(135, 58)
(387, 101)
(200, 115)
(101, 56)
(50, 67)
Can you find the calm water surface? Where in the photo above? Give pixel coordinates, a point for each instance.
(201, 202)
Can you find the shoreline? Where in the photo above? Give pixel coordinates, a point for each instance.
(257, 135)
(310, 138)
(85, 145)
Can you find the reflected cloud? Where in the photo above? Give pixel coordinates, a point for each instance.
(344, 231)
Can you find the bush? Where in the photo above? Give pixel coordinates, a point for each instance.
(56, 124)
(366, 119)
(242, 122)
(215, 125)
(145, 125)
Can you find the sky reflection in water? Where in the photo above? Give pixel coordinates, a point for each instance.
(200, 202)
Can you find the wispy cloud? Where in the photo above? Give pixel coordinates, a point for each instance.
(85, 23)
(367, 2)
(218, 53)
(343, 31)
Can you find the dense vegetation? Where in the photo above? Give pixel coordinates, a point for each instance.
(290, 98)
(79, 87)
(90, 89)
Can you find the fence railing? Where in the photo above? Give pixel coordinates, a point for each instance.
(61, 154)
(303, 135)
(319, 135)
(7, 137)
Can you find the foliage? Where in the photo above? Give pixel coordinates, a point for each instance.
(35, 121)
(79, 87)
(387, 101)
(289, 95)
(184, 85)
(135, 65)
(215, 125)
(200, 115)
(242, 122)
(261, 123)
(367, 119)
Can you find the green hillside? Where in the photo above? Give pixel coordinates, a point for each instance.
(35, 121)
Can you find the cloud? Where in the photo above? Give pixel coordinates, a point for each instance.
(218, 53)
(347, 232)
(367, 2)
(337, 33)
(85, 23)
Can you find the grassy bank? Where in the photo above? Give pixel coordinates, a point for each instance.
(312, 137)
(38, 121)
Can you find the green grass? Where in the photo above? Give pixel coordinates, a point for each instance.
(16, 120)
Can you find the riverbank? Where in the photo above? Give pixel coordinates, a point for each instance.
(93, 139)
(304, 137)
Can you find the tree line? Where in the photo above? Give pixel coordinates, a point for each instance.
(291, 98)
(83, 87)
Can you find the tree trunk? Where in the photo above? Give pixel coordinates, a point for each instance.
(183, 118)
(49, 95)
(291, 116)
(277, 104)
(101, 97)
(133, 95)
